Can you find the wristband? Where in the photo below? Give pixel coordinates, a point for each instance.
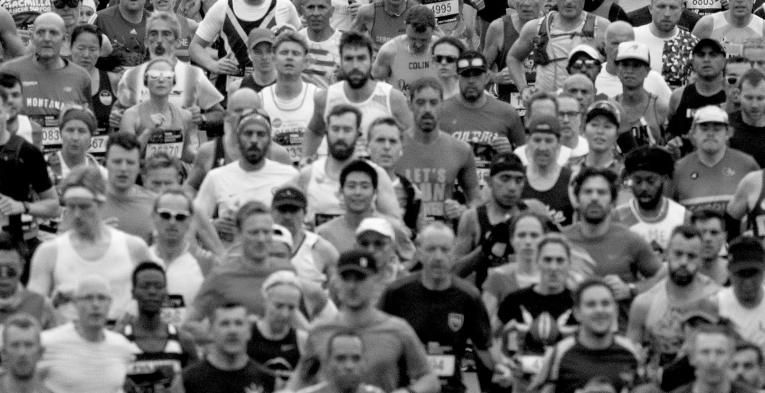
(26, 207)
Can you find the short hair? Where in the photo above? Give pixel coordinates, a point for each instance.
(168, 17)
(387, 121)
(8, 243)
(590, 172)
(455, 42)
(88, 177)
(708, 214)
(421, 18)
(162, 160)
(175, 190)
(248, 210)
(359, 166)
(685, 230)
(124, 140)
(147, 265)
(341, 109)
(342, 333)
(425, 82)
(87, 29)
(288, 35)
(355, 39)
(23, 321)
(748, 346)
(224, 306)
(564, 94)
(541, 96)
(587, 284)
(9, 81)
(554, 238)
(752, 76)
(725, 329)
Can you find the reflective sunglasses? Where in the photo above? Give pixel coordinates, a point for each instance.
(156, 75)
(167, 214)
(582, 63)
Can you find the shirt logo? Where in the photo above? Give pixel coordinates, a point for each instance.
(454, 321)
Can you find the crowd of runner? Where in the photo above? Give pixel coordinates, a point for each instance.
(399, 196)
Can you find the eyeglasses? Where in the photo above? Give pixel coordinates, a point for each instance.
(66, 3)
(568, 114)
(8, 272)
(440, 59)
(582, 63)
(101, 298)
(167, 214)
(156, 75)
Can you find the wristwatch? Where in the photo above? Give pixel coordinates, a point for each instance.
(26, 207)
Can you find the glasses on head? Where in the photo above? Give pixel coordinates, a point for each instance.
(157, 75)
(167, 214)
(8, 272)
(440, 59)
(471, 67)
(66, 3)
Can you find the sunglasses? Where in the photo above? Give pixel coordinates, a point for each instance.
(66, 3)
(581, 63)
(440, 59)
(167, 214)
(156, 75)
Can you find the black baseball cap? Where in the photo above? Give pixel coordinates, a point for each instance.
(746, 252)
(708, 43)
(357, 261)
(289, 196)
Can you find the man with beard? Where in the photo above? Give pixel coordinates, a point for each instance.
(396, 359)
(623, 258)
(708, 62)
(344, 367)
(655, 315)
(405, 58)
(487, 124)
(732, 27)
(649, 213)
(595, 350)
(443, 310)
(711, 224)
(372, 98)
(546, 180)
(435, 174)
(320, 180)
(161, 350)
(747, 365)
(251, 178)
(749, 123)
(21, 352)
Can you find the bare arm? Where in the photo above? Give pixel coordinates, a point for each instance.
(748, 186)
(636, 324)
(400, 108)
(316, 128)
(363, 19)
(42, 265)
(704, 26)
(519, 52)
(202, 163)
(199, 54)
(381, 70)
(128, 122)
(494, 41)
(11, 40)
(47, 206)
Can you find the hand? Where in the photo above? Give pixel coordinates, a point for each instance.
(503, 77)
(501, 144)
(353, 8)
(226, 66)
(196, 114)
(620, 288)
(479, 4)
(10, 206)
(225, 226)
(526, 93)
(503, 375)
(115, 118)
(453, 209)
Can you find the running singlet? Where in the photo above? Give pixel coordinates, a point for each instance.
(509, 93)
(46, 92)
(154, 371)
(289, 118)
(303, 262)
(324, 56)
(733, 38)
(756, 216)
(556, 199)
(656, 230)
(103, 101)
(127, 38)
(408, 67)
(279, 356)
(385, 27)
(703, 7)
(690, 100)
(323, 195)
(645, 129)
(377, 105)
(166, 134)
(235, 32)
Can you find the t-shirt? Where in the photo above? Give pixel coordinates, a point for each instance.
(73, 364)
(435, 174)
(479, 127)
(47, 91)
(128, 39)
(16, 177)
(748, 139)
(610, 85)
(226, 188)
(527, 306)
(444, 320)
(392, 351)
(133, 211)
(698, 186)
(337, 232)
(655, 45)
(203, 377)
(236, 281)
(749, 322)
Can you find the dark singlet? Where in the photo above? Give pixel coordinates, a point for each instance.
(556, 198)
(509, 93)
(281, 356)
(219, 157)
(385, 27)
(680, 122)
(103, 101)
(236, 41)
(641, 129)
(150, 370)
(756, 217)
(168, 137)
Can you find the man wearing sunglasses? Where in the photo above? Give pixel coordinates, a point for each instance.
(445, 51)
(405, 58)
(586, 60)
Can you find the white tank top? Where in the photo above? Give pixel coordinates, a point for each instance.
(289, 118)
(184, 278)
(377, 105)
(115, 266)
(659, 229)
(322, 193)
(25, 128)
(734, 38)
(302, 260)
(748, 321)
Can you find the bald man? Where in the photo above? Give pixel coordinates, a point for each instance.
(607, 82)
(49, 80)
(582, 88)
(223, 149)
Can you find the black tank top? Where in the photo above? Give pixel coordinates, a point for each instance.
(280, 356)
(219, 157)
(152, 369)
(556, 198)
(103, 101)
(680, 122)
(756, 217)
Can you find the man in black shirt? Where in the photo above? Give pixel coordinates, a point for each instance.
(749, 123)
(443, 310)
(227, 368)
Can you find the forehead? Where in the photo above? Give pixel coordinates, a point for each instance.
(159, 65)
(427, 93)
(436, 237)
(386, 131)
(596, 292)
(9, 257)
(528, 223)
(150, 275)
(358, 177)
(679, 241)
(289, 45)
(121, 152)
(308, 3)
(446, 48)
(553, 249)
(284, 293)
(568, 103)
(346, 345)
(579, 84)
(230, 313)
(159, 25)
(738, 68)
(172, 201)
(595, 182)
(354, 50)
(93, 288)
(254, 126)
(259, 220)
(48, 24)
(711, 340)
(343, 119)
(746, 354)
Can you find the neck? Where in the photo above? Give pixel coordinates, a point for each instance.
(49, 63)
(651, 211)
(92, 235)
(397, 10)
(662, 34)
(570, 140)
(161, 103)
(72, 160)
(700, 386)
(473, 104)
(131, 16)
(227, 361)
(333, 166)
(632, 96)
(611, 66)
(683, 292)
(322, 34)
(10, 292)
(752, 303)
(436, 283)
(591, 341)
(250, 167)
(12, 383)
(600, 159)
(288, 86)
(543, 170)
(709, 87)
(391, 171)
(149, 321)
(711, 159)
(90, 333)
(264, 78)
(169, 249)
(354, 218)
(12, 125)
(271, 332)
(360, 317)
(547, 290)
(425, 137)
(527, 266)
(119, 191)
(738, 21)
(749, 120)
(596, 230)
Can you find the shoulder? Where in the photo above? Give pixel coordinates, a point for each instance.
(17, 64)
(627, 345)
(403, 284)
(466, 288)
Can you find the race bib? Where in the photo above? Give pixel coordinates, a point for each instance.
(444, 11)
(704, 7)
(531, 364)
(292, 140)
(98, 142)
(51, 134)
(442, 365)
(169, 141)
(174, 310)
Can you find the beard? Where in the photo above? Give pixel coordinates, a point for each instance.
(356, 79)
(341, 151)
(427, 122)
(653, 202)
(594, 214)
(254, 154)
(681, 277)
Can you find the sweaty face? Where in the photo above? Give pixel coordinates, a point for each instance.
(632, 72)
(317, 14)
(712, 237)
(160, 179)
(92, 304)
(525, 238)
(683, 259)
(596, 310)
(161, 39)
(647, 188)
(150, 291)
(75, 138)
(436, 254)
(584, 91)
(595, 200)
(553, 263)
(358, 192)
(254, 139)
(711, 137)
(356, 64)
(666, 14)
(708, 64)
(230, 330)
(570, 117)
(472, 83)
(290, 58)
(342, 133)
(753, 100)
(385, 146)
(426, 108)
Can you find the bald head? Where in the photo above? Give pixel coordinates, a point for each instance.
(92, 285)
(243, 99)
(581, 87)
(620, 28)
(50, 19)
(435, 230)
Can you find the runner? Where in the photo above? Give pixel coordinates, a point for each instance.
(13, 292)
(382, 20)
(749, 123)
(581, 87)
(125, 26)
(649, 213)
(601, 131)
(187, 26)
(22, 351)
(323, 40)
(444, 311)
(436, 174)
(358, 89)
(746, 365)
(289, 102)
(405, 58)
(586, 60)
(735, 67)
(733, 27)
(711, 224)
(570, 116)
(445, 51)
(18, 123)
(50, 81)
(260, 49)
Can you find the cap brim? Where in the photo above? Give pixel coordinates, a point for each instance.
(297, 204)
(354, 268)
(365, 230)
(260, 41)
(482, 69)
(744, 265)
(644, 61)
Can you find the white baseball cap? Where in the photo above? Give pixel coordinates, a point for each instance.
(378, 225)
(589, 50)
(633, 50)
(710, 114)
(282, 235)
